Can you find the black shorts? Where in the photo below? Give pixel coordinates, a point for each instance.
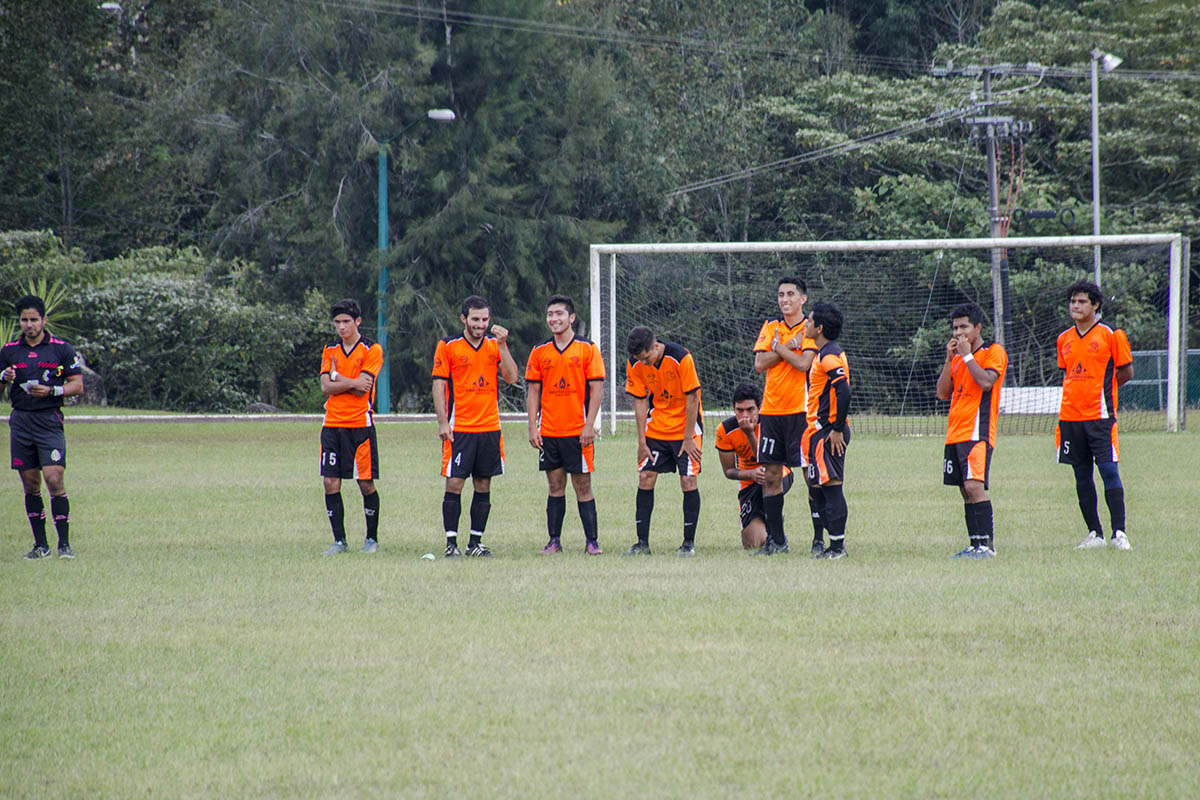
(966, 461)
(36, 439)
(565, 452)
(779, 439)
(750, 500)
(349, 453)
(667, 456)
(473, 454)
(823, 464)
(1081, 443)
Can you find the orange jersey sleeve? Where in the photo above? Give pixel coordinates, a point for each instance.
(472, 396)
(829, 368)
(974, 412)
(1090, 363)
(786, 390)
(347, 409)
(565, 378)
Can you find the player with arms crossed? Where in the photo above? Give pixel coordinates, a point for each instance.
(565, 378)
(40, 371)
(661, 377)
(784, 351)
(971, 380)
(349, 448)
(466, 398)
(828, 433)
(1096, 360)
(737, 447)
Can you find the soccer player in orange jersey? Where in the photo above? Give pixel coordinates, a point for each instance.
(349, 449)
(1095, 360)
(565, 378)
(661, 378)
(828, 431)
(737, 447)
(784, 352)
(466, 399)
(971, 380)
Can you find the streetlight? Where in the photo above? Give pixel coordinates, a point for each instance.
(383, 388)
(1109, 62)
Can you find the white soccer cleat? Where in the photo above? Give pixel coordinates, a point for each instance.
(1121, 541)
(1094, 541)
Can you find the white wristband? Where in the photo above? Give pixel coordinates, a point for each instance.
(58, 391)
(969, 357)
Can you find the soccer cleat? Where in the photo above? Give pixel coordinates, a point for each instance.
(370, 546)
(338, 546)
(770, 548)
(452, 551)
(553, 546)
(640, 548)
(983, 552)
(479, 550)
(832, 553)
(39, 551)
(593, 549)
(1121, 541)
(1094, 541)
(966, 552)
(687, 549)
(65, 551)
(818, 548)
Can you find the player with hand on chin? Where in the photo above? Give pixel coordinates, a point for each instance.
(565, 377)
(971, 379)
(466, 399)
(40, 371)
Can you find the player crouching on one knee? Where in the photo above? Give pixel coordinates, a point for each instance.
(971, 380)
(737, 447)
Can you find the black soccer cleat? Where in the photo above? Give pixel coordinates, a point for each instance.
(640, 548)
(770, 548)
(65, 551)
(479, 550)
(818, 548)
(832, 553)
(452, 551)
(39, 551)
(686, 550)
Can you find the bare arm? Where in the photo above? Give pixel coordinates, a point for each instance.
(593, 410)
(1124, 374)
(533, 404)
(359, 385)
(439, 408)
(944, 382)
(640, 408)
(689, 420)
(764, 360)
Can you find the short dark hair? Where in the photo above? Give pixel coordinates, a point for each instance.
(640, 340)
(561, 300)
(31, 301)
(829, 318)
(747, 391)
(1091, 289)
(796, 280)
(472, 302)
(971, 311)
(347, 306)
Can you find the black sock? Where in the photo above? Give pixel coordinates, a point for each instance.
(773, 517)
(371, 511)
(972, 524)
(816, 507)
(836, 514)
(644, 508)
(1085, 490)
(691, 514)
(37, 518)
(983, 523)
(337, 516)
(556, 511)
(481, 505)
(451, 511)
(60, 509)
(1115, 498)
(587, 515)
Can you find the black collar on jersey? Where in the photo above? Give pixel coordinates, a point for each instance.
(554, 342)
(1089, 330)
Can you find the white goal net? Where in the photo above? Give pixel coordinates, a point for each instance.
(896, 297)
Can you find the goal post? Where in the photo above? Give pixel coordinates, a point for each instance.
(896, 294)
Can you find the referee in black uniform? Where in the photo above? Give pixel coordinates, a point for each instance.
(40, 370)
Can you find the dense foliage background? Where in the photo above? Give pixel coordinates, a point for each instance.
(200, 178)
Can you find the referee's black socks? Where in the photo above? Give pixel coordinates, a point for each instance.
(37, 518)
(337, 515)
(60, 509)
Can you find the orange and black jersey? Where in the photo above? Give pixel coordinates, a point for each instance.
(1091, 361)
(564, 376)
(829, 388)
(473, 396)
(786, 387)
(666, 386)
(973, 411)
(347, 409)
(731, 438)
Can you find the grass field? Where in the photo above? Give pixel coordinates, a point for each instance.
(200, 646)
